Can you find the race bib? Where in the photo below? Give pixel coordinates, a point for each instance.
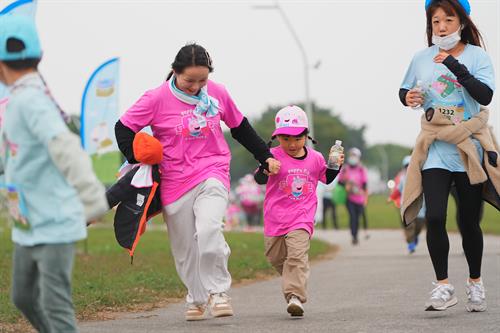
(455, 113)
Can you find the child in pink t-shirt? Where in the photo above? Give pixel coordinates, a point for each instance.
(290, 203)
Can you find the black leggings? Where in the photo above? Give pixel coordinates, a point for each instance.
(327, 203)
(355, 212)
(437, 184)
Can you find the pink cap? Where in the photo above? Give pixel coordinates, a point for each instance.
(291, 120)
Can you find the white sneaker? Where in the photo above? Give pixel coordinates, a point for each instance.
(442, 297)
(220, 306)
(476, 295)
(195, 312)
(295, 308)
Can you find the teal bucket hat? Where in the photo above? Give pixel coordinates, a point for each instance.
(22, 28)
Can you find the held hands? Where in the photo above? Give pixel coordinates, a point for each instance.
(274, 166)
(440, 57)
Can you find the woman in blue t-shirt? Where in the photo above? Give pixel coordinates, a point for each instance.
(453, 76)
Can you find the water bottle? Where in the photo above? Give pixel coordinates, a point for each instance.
(334, 156)
(420, 88)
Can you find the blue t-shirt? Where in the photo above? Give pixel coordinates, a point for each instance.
(443, 92)
(51, 208)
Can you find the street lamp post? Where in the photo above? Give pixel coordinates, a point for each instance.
(308, 102)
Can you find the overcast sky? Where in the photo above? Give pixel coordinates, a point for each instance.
(364, 48)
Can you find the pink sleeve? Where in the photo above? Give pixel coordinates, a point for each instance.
(230, 114)
(140, 114)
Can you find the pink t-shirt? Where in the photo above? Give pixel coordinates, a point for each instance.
(291, 201)
(357, 177)
(193, 149)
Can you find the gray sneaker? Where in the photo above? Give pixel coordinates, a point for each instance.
(476, 296)
(442, 297)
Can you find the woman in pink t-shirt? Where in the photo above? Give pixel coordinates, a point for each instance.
(290, 203)
(355, 179)
(185, 114)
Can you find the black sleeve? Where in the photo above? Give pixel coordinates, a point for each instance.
(402, 95)
(125, 139)
(477, 89)
(331, 174)
(248, 138)
(260, 177)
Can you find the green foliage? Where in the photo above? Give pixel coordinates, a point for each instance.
(328, 127)
(383, 215)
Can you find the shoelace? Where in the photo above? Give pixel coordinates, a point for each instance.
(196, 307)
(220, 298)
(476, 291)
(440, 291)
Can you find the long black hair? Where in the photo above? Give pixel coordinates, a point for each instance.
(191, 55)
(470, 34)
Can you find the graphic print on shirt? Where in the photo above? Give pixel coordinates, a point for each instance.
(194, 126)
(10, 193)
(447, 96)
(297, 184)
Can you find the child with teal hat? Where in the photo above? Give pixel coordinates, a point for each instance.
(51, 188)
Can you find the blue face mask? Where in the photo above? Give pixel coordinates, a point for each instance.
(353, 160)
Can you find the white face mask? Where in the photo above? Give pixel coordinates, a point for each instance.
(447, 42)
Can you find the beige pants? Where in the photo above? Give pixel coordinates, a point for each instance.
(200, 251)
(289, 256)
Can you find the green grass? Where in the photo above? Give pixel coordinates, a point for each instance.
(104, 279)
(382, 215)
(106, 166)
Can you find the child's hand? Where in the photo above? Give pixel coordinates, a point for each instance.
(341, 159)
(333, 158)
(274, 166)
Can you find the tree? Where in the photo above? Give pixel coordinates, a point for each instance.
(376, 154)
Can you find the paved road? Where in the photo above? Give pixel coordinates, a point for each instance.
(374, 287)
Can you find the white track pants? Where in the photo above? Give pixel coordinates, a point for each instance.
(200, 251)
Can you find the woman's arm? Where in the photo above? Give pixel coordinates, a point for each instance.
(125, 138)
(477, 89)
(248, 138)
(402, 95)
(260, 177)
